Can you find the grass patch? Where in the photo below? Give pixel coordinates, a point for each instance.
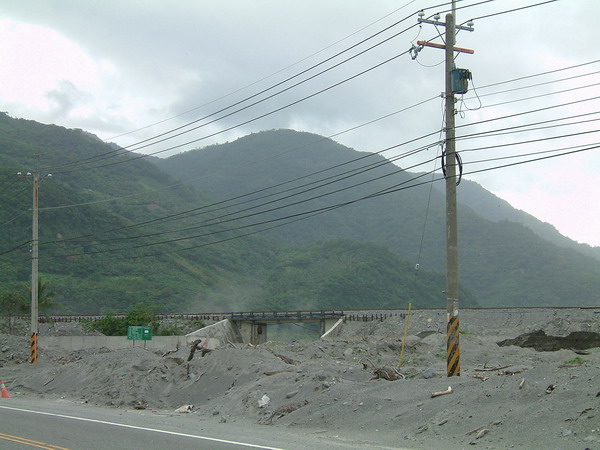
(577, 361)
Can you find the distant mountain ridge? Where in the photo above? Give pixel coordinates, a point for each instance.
(502, 261)
(277, 219)
(116, 230)
(493, 208)
(87, 254)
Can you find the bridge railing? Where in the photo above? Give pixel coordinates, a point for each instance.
(285, 315)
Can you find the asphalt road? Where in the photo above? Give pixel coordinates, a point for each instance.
(37, 423)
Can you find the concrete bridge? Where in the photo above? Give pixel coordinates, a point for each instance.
(232, 327)
(253, 326)
(243, 328)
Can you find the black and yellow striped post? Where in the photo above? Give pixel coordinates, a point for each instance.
(453, 345)
(34, 348)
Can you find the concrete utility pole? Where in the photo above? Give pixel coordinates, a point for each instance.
(34, 263)
(453, 342)
(452, 76)
(34, 269)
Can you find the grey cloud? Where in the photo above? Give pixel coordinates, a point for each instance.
(66, 97)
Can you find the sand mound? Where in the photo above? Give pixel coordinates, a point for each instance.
(506, 396)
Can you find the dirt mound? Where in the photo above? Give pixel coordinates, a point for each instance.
(520, 396)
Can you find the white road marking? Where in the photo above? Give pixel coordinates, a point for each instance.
(134, 427)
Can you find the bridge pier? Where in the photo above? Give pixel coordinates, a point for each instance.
(327, 325)
(252, 332)
(255, 332)
(331, 327)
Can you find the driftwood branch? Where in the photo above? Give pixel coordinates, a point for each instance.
(510, 372)
(482, 433)
(275, 372)
(567, 365)
(387, 373)
(196, 345)
(447, 391)
(285, 409)
(287, 360)
(491, 369)
(193, 348)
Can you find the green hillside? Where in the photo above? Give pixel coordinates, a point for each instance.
(502, 262)
(90, 254)
(116, 230)
(334, 273)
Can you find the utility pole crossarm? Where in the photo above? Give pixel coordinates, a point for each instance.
(443, 47)
(468, 27)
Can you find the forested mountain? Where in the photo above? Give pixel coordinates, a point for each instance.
(92, 254)
(358, 273)
(116, 230)
(340, 193)
(493, 208)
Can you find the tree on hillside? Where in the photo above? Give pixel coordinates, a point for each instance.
(45, 295)
(11, 304)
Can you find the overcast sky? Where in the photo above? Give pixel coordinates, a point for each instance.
(112, 67)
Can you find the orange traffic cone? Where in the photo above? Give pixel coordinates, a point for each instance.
(4, 390)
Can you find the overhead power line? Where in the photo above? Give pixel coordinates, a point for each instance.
(23, 244)
(146, 192)
(182, 214)
(307, 214)
(223, 204)
(285, 68)
(545, 2)
(138, 147)
(261, 116)
(254, 210)
(236, 215)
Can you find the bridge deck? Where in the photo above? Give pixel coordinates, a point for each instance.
(263, 316)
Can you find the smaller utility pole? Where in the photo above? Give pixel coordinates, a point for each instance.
(34, 268)
(35, 264)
